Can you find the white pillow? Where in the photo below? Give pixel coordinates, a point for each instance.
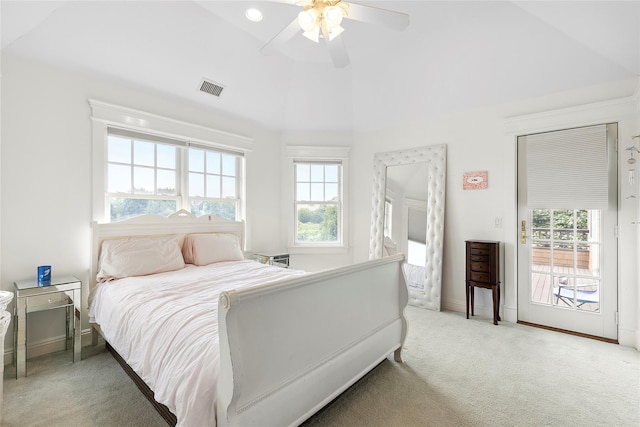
(139, 256)
(204, 249)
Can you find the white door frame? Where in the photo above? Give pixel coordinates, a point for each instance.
(623, 111)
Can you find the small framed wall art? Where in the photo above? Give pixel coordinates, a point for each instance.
(475, 180)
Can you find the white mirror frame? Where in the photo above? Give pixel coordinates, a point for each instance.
(435, 157)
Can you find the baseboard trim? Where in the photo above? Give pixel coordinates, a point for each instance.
(453, 305)
(510, 314)
(564, 331)
(43, 347)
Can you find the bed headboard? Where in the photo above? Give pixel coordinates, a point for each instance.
(179, 224)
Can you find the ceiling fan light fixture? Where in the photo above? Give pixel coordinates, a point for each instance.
(323, 18)
(332, 16)
(308, 19)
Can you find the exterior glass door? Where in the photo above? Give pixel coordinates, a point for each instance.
(567, 251)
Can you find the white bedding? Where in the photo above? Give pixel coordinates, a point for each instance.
(165, 326)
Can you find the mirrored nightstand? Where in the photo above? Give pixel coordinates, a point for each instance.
(278, 259)
(63, 292)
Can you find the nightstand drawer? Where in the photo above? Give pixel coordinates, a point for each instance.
(48, 301)
(278, 259)
(284, 263)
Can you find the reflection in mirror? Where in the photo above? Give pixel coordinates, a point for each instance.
(417, 237)
(406, 195)
(408, 217)
(416, 261)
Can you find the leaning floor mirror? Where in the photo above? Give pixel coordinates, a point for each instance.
(408, 217)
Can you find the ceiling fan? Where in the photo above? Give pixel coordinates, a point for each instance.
(321, 19)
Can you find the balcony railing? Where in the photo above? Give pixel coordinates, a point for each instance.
(563, 244)
(561, 235)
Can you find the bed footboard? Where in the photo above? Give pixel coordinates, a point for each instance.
(289, 348)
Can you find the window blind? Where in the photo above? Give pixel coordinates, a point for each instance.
(145, 137)
(169, 141)
(317, 162)
(568, 169)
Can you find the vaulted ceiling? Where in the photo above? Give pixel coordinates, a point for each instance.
(455, 55)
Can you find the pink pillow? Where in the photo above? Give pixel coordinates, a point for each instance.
(204, 249)
(139, 256)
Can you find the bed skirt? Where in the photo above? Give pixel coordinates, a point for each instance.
(168, 416)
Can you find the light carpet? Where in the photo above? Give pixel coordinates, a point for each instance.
(457, 372)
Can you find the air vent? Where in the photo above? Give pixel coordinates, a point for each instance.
(211, 88)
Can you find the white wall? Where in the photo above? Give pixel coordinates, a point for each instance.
(46, 176)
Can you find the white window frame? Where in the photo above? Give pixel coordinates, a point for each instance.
(311, 202)
(319, 154)
(137, 136)
(239, 180)
(106, 115)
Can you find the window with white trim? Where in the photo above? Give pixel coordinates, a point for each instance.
(318, 203)
(214, 183)
(148, 174)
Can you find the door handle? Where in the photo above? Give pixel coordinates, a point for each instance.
(523, 232)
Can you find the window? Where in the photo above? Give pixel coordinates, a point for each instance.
(213, 183)
(318, 202)
(144, 176)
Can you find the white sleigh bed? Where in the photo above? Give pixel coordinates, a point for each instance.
(286, 348)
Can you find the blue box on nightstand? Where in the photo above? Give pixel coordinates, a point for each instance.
(44, 275)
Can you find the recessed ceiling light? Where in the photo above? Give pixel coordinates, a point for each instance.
(253, 15)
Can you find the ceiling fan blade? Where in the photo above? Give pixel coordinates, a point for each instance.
(373, 15)
(281, 38)
(338, 52)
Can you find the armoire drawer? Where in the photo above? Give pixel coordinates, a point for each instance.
(483, 267)
(480, 251)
